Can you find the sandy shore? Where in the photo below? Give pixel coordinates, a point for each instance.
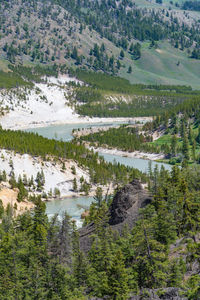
(86, 131)
(135, 154)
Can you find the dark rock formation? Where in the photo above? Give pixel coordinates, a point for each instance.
(123, 211)
(126, 204)
(170, 293)
(85, 237)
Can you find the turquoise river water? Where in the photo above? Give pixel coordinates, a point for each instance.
(75, 206)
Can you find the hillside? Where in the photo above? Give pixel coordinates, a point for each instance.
(143, 41)
(130, 70)
(158, 258)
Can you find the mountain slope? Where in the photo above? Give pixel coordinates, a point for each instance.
(139, 42)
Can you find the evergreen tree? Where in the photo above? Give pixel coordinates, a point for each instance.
(198, 136)
(98, 197)
(185, 147)
(122, 54)
(130, 70)
(75, 187)
(118, 278)
(174, 142)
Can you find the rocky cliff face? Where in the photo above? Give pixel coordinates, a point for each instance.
(123, 211)
(126, 204)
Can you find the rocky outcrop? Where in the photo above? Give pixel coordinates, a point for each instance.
(85, 239)
(124, 210)
(170, 293)
(126, 204)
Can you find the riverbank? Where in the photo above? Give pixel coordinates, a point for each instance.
(138, 122)
(135, 154)
(70, 119)
(57, 176)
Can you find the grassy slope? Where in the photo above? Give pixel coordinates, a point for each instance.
(160, 67)
(167, 138)
(152, 3)
(153, 68)
(4, 65)
(156, 66)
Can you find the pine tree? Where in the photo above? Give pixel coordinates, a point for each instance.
(22, 194)
(98, 196)
(198, 136)
(131, 47)
(40, 223)
(176, 273)
(190, 135)
(118, 278)
(75, 187)
(122, 54)
(185, 147)
(149, 260)
(74, 54)
(130, 70)
(79, 264)
(1, 209)
(174, 142)
(194, 150)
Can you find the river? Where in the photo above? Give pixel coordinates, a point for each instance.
(64, 132)
(75, 206)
